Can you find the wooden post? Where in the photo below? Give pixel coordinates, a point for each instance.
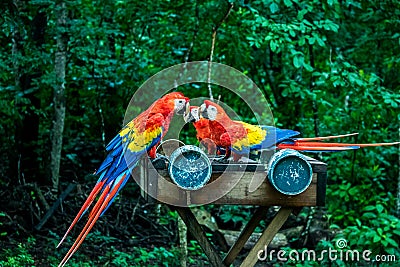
(267, 236)
(195, 229)
(245, 234)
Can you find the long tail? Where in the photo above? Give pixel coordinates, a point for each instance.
(84, 208)
(307, 144)
(325, 137)
(105, 199)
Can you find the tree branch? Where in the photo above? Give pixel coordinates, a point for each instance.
(214, 35)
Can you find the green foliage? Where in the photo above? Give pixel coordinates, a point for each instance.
(236, 214)
(157, 256)
(2, 215)
(380, 234)
(372, 228)
(154, 256)
(19, 256)
(196, 255)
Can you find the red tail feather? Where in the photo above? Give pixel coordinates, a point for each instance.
(315, 148)
(321, 144)
(304, 144)
(95, 213)
(325, 137)
(85, 205)
(87, 228)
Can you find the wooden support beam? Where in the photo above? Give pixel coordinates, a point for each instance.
(267, 236)
(195, 229)
(245, 234)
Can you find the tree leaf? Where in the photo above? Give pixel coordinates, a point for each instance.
(274, 7)
(298, 61)
(273, 45)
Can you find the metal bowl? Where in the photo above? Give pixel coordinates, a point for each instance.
(289, 172)
(189, 167)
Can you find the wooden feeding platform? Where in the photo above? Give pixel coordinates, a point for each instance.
(232, 184)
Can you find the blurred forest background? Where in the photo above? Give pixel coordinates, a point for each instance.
(69, 69)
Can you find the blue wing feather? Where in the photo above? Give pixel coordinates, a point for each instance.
(124, 175)
(274, 136)
(120, 161)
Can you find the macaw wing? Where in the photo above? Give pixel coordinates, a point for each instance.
(125, 151)
(266, 137)
(260, 137)
(275, 136)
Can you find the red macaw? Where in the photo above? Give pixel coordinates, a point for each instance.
(139, 136)
(240, 137)
(202, 128)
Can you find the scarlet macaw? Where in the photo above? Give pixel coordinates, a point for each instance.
(241, 137)
(139, 136)
(202, 128)
(212, 138)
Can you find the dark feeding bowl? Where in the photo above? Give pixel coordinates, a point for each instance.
(189, 167)
(289, 172)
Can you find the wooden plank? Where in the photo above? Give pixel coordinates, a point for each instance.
(245, 234)
(267, 236)
(236, 167)
(233, 189)
(195, 229)
(265, 195)
(148, 178)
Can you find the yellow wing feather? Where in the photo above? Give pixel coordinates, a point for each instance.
(255, 136)
(139, 137)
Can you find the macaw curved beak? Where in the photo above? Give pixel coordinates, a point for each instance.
(189, 118)
(185, 109)
(203, 111)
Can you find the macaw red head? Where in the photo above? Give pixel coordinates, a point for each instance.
(212, 111)
(177, 102)
(193, 115)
